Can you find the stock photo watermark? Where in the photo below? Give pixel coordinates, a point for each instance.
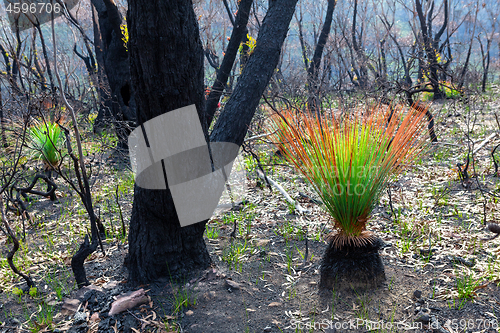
(170, 151)
(371, 325)
(26, 14)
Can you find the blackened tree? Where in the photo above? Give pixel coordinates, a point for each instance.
(166, 59)
(110, 42)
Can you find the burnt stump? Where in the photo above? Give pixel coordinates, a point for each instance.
(352, 267)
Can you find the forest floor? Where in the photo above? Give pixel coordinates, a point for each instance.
(441, 275)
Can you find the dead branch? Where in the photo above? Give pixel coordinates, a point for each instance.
(14, 249)
(296, 205)
(494, 160)
(484, 142)
(86, 248)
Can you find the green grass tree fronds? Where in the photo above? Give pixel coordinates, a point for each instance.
(46, 140)
(349, 159)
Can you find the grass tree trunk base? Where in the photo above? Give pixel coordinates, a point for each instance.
(352, 267)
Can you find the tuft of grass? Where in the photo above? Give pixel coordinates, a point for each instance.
(349, 160)
(212, 232)
(235, 253)
(43, 322)
(183, 298)
(467, 286)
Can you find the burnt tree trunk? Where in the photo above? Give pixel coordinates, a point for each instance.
(485, 59)
(105, 100)
(167, 73)
(233, 123)
(115, 58)
(431, 45)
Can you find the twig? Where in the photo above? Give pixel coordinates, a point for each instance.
(484, 142)
(15, 242)
(297, 206)
(494, 160)
(86, 248)
(496, 118)
(494, 228)
(446, 144)
(315, 201)
(258, 136)
(244, 147)
(306, 254)
(124, 232)
(390, 203)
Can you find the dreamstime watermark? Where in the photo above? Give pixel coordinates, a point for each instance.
(170, 151)
(354, 324)
(25, 14)
(372, 325)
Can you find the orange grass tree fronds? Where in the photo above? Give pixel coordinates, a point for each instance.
(349, 160)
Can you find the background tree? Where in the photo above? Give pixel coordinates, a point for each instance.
(110, 42)
(313, 68)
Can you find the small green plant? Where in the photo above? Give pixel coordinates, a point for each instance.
(466, 286)
(390, 283)
(212, 232)
(291, 208)
(18, 292)
(46, 139)
(33, 292)
(57, 279)
(183, 298)
(334, 302)
(289, 260)
(44, 319)
(362, 310)
(234, 254)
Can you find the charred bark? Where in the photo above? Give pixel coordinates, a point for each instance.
(233, 123)
(352, 267)
(431, 44)
(117, 68)
(78, 259)
(47, 63)
(155, 231)
(15, 247)
(2, 122)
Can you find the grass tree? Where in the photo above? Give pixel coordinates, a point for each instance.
(349, 159)
(46, 142)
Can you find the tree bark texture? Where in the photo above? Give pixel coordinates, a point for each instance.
(167, 73)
